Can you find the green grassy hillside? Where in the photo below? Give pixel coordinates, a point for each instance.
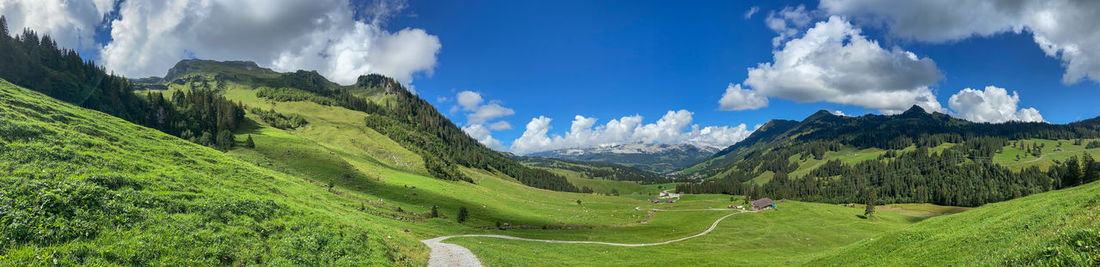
(1053, 153)
(1053, 228)
(86, 188)
(795, 234)
(912, 157)
(81, 187)
(380, 103)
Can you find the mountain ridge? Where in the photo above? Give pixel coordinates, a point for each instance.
(657, 158)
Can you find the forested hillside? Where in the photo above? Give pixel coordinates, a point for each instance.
(394, 112)
(78, 187)
(203, 116)
(910, 157)
(37, 63)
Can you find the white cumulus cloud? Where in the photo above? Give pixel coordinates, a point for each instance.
(469, 100)
(477, 112)
(479, 117)
(672, 128)
(1064, 29)
(148, 37)
(483, 136)
(500, 125)
(833, 62)
(736, 98)
(994, 104)
(788, 22)
(71, 24)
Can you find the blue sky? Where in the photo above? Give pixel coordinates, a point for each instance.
(535, 66)
(612, 59)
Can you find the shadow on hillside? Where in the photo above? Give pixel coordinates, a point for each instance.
(321, 166)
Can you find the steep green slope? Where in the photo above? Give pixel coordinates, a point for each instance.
(1058, 228)
(81, 187)
(37, 63)
(394, 112)
(335, 147)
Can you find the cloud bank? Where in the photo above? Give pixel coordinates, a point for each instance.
(149, 37)
(71, 24)
(994, 104)
(672, 128)
(1063, 29)
(833, 62)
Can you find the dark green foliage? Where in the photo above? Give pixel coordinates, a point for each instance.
(206, 139)
(870, 194)
(765, 134)
(225, 140)
(48, 211)
(405, 118)
(912, 177)
(454, 146)
(278, 120)
(915, 127)
(1093, 144)
(248, 143)
(1074, 171)
(311, 86)
(462, 214)
(1090, 168)
(292, 94)
(412, 122)
(1071, 172)
(37, 63)
(435, 212)
(962, 175)
(587, 190)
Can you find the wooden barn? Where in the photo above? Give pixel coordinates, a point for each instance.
(763, 203)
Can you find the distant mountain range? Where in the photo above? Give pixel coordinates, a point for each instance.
(658, 158)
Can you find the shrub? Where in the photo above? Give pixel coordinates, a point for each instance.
(462, 214)
(48, 211)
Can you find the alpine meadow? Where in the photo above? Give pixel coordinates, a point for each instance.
(576, 133)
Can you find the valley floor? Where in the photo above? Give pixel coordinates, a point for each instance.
(341, 193)
(454, 255)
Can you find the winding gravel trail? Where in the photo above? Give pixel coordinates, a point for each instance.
(444, 254)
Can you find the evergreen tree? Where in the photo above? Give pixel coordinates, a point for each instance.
(206, 139)
(462, 214)
(1071, 173)
(870, 194)
(225, 140)
(435, 211)
(250, 144)
(1091, 170)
